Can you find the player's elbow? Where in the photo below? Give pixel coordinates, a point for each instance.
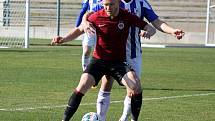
(81, 28)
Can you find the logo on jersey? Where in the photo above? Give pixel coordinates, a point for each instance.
(101, 25)
(121, 25)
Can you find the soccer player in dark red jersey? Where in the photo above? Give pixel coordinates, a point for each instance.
(109, 57)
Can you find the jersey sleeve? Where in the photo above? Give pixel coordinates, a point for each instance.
(85, 6)
(92, 18)
(149, 13)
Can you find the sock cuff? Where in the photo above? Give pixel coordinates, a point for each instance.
(127, 98)
(104, 93)
(137, 96)
(78, 93)
(107, 92)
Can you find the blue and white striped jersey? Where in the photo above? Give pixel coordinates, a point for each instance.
(142, 9)
(87, 5)
(92, 4)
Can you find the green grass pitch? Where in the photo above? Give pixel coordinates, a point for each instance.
(178, 84)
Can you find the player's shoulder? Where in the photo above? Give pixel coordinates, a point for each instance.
(125, 14)
(99, 1)
(138, 0)
(97, 13)
(144, 2)
(124, 11)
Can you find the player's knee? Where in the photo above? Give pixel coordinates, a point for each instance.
(137, 90)
(107, 83)
(86, 82)
(137, 85)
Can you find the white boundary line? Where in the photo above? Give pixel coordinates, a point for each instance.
(153, 46)
(120, 101)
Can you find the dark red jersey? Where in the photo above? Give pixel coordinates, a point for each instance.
(112, 34)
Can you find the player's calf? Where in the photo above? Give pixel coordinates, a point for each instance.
(136, 103)
(73, 105)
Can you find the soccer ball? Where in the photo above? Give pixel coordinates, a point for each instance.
(91, 116)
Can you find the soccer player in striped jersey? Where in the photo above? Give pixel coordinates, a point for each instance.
(142, 9)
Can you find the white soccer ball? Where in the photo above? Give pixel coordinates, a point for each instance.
(91, 116)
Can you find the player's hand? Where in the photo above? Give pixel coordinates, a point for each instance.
(57, 40)
(89, 28)
(178, 33)
(148, 32)
(144, 34)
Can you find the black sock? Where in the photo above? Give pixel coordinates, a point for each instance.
(73, 105)
(136, 103)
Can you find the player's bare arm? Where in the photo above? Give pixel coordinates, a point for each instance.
(69, 37)
(164, 27)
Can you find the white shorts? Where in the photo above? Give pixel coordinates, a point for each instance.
(136, 64)
(89, 40)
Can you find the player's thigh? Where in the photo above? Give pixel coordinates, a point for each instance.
(117, 70)
(87, 50)
(86, 81)
(89, 41)
(96, 68)
(107, 83)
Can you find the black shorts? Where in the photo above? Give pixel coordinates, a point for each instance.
(98, 68)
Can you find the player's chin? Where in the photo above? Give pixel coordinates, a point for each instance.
(109, 13)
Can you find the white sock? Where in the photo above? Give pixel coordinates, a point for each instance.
(103, 102)
(85, 61)
(126, 109)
